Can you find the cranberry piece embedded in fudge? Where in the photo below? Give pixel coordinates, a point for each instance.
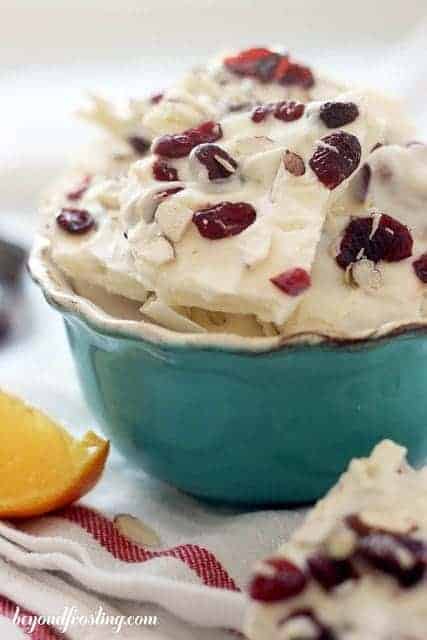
(420, 267)
(336, 158)
(266, 67)
(297, 74)
(338, 114)
(179, 145)
(281, 580)
(164, 172)
(269, 66)
(219, 164)
(329, 572)
(260, 112)
(293, 282)
(75, 220)
(288, 110)
(224, 219)
(254, 62)
(393, 555)
(390, 241)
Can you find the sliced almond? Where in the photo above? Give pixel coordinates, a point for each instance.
(157, 250)
(168, 317)
(136, 530)
(341, 542)
(366, 275)
(293, 163)
(173, 217)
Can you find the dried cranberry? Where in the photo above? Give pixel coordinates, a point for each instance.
(391, 555)
(282, 67)
(206, 132)
(219, 163)
(224, 219)
(288, 110)
(355, 239)
(338, 114)
(297, 74)
(292, 282)
(164, 172)
(397, 555)
(246, 62)
(322, 632)
(75, 220)
(80, 189)
(391, 241)
(293, 163)
(417, 547)
(420, 267)
(356, 524)
(336, 157)
(329, 572)
(260, 113)
(282, 580)
(139, 144)
(179, 145)
(156, 98)
(266, 67)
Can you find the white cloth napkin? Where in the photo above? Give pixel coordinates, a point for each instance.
(56, 564)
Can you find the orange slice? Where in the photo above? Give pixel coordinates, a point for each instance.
(42, 467)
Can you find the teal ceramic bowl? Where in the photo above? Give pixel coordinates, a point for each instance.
(234, 420)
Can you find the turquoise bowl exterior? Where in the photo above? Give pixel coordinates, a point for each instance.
(273, 427)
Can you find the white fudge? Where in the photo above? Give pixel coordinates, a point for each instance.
(356, 568)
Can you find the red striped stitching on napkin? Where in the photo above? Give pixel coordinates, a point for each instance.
(8, 609)
(200, 560)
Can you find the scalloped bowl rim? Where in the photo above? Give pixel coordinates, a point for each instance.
(59, 294)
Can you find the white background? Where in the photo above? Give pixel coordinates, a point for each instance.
(52, 52)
